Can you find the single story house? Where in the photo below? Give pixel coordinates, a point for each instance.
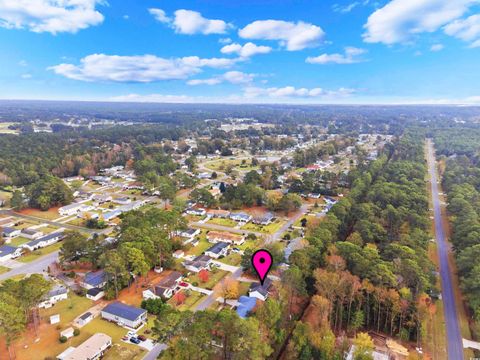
(122, 201)
(84, 319)
(241, 217)
(245, 306)
(189, 233)
(260, 291)
(31, 234)
(94, 279)
(44, 241)
(124, 315)
(110, 215)
(217, 250)
(7, 222)
(178, 254)
(95, 294)
(73, 209)
(223, 214)
(55, 295)
(10, 232)
(201, 262)
(92, 349)
(166, 288)
(264, 220)
(101, 198)
(9, 252)
(217, 236)
(195, 212)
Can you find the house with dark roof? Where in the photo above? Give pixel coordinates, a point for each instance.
(166, 288)
(31, 234)
(55, 295)
(10, 232)
(241, 217)
(217, 250)
(95, 294)
(84, 319)
(9, 252)
(201, 262)
(94, 279)
(124, 315)
(44, 241)
(264, 219)
(260, 291)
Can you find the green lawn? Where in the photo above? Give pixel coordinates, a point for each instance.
(222, 164)
(243, 288)
(103, 326)
(269, 229)
(4, 269)
(223, 222)
(18, 241)
(191, 302)
(68, 309)
(34, 255)
(201, 247)
(232, 259)
(214, 277)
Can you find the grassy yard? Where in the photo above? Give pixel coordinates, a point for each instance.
(223, 222)
(191, 302)
(201, 247)
(4, 269)
(214, 277)
(124, 352)
(222, 164)
(243, 288)
(34, 255)
(268, 229)
(5, 130)
(232, 259)
(68, 309)
(18, 241)
(51, 214)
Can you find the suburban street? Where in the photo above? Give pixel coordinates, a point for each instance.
(454, 337)
(34, 267)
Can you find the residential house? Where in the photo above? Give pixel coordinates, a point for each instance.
(178, 254)
(7, 222)
(166, 288)
(95, 294)
(260, 291)
(195, 212)
(216, 236)
(201, 262)
(122, 201)
(223, 214)
(241, 217)
(58, 293)
(44, 241)
(218, 250)
(73, 209)
(9, 252)
(10, 232)
(101, 198)
(110, 215)
(92, 349)
(124, 315)
(84, 319)
(94, 279)
(264, 219)
(31, 234)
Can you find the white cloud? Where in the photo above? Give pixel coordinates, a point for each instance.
(53, 16)
(192, 22)
(145, 68)
(245, 51)
(351, 56)
(465, 29)
(160, 15)
(345, 8)
(233, 77)
(26, 76)
(23, 63)
(293, 36)
(437, 47)
(475, 44)
(225, 41)
(399, 20)
(292, 92)
(152, 98)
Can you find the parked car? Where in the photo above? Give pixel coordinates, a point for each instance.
(131, 334)
(141, 338)
(134, 340)
(183, 284)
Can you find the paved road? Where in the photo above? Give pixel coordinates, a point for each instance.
(35, 267)
(225, 228)
(275, 237)
(155, 352)
(454, 337)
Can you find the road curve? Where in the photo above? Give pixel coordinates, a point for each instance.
(454, 337)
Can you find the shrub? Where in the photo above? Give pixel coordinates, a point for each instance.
(63, 339)
(76, 332)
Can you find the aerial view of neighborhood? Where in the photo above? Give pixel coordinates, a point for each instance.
(211, 180)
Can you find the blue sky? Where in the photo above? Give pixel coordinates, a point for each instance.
(345, 51)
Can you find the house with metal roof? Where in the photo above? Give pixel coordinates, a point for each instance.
(264, 219)
(241, 217)
(217, 250)
(9, 252)
(10, 232)
(94, 279)
(44, 241)
(124, 315)
(31, 234)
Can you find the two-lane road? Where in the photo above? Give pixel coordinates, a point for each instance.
(454, 337)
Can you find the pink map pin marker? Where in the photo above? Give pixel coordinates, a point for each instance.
(262, 262)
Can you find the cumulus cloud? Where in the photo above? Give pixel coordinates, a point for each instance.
(233, 77)
(400, 20)
(351, 56)
(293, 36)
(245, 51)
(160, 15)
(437, 47)
(465, 29)
(53, 16)
(293, 92)
(143, 69)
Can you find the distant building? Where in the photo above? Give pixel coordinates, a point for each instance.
(31, 234)
(217, 236)
(122, 201)
(195, 212)
(166, 288)
(44, 241)
(264, 220)
(241, 217)
(223, 214)
(74, 209)
(124, 315)
(9, 252)
(10, 232)
(92, 349)
(218, 250)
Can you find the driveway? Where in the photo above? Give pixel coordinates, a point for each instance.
(225, 267)
(155, 352)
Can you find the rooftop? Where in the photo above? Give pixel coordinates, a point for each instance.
(124, 311)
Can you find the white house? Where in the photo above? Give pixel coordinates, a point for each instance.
(84, 319)
(44, 241)
(241, 217)
(122, 201)
(92, 349)
(94, 279)
(198, 264)
(260, 291)
(71, 209)
(31, 234)
(196, 212)
(166, 288)
(218, 250)
(10, 232)
(216, 236)
(9, 252)
(58, 293)
(124, 315)
(67, 333)
(95, 294)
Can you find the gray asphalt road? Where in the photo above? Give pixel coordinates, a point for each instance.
(153, 354)
(35, 267)
(454, 337)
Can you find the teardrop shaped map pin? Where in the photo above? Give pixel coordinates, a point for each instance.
(262, 263)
